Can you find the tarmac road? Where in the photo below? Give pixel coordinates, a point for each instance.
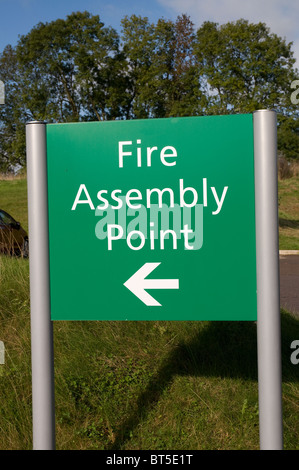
(289, 282)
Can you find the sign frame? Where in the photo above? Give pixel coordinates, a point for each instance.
(267, 266)
(139, 207)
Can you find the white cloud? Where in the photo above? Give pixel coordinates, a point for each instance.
(281, 16)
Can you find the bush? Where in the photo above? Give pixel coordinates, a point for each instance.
(285, 168)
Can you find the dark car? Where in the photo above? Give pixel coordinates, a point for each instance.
(13, 238)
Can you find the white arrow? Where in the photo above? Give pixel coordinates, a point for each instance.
(137, 284)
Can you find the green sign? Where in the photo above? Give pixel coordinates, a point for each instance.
(152, 219)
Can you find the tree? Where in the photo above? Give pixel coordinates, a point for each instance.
(179, 85)
(66, 70)
(70, 68)
(248, 68)
(161, 67)
(288, 136)
(138, 44)
(77, 69)
(245, 66)
(12, 115)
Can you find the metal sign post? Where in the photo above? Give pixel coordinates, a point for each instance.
(267, 259)
(41, 326)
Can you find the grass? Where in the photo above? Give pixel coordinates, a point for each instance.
(139, 385)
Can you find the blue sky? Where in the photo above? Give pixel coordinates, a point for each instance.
(17, 17)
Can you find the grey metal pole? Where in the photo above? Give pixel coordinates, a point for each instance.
(43, 407)
(268, 298)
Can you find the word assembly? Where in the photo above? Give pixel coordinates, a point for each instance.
(182, 196)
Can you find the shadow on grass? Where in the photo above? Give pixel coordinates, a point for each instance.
(222, 349)
(288, 223)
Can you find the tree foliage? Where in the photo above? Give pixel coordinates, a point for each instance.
(12, 114)
(246, 66)
(77, 69)
(70, 68)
